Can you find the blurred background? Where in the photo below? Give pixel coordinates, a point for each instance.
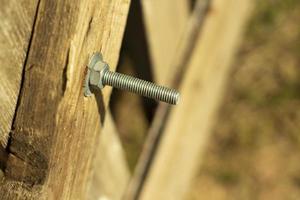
(254, 150)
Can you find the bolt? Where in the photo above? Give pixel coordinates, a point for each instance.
(99, 75)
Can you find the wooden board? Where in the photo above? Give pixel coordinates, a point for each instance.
(16, 22)
(110, 174)
(165, 22)
(56, 127)
(190, 122)
(180, 60)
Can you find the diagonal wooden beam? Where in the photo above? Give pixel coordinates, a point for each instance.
(164, 22)
(188, 126)
(56, 128)
(110, 174)
(185, 49)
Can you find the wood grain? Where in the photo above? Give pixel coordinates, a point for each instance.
(56, 127)
(165, 22)
(173, 78)
(16, 22)
(188, 127)
(110, 174)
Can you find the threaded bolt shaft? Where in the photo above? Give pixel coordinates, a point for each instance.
(99, 75)
(141, 87)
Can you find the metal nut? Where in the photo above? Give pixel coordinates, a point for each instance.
(99, 75)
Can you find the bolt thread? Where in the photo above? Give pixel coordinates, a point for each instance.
(141, 87)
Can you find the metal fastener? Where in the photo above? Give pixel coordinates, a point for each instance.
(98, 75)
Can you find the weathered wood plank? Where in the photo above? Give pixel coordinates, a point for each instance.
(111, 173)
(173, 78)
(189, 124)
(16, 22)
(56, 127)
(165, 22)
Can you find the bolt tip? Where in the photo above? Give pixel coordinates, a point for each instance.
(177, 98)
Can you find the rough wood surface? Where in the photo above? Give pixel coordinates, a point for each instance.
(56, 127)
(165, 22)
(110, 174)
(16, 22)
(189, 124)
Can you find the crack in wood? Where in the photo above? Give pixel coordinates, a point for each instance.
(65, 71)
(25, 163)
(4, 142)
(55, 127)
(16, 162)
(24, 172)
(89, 26)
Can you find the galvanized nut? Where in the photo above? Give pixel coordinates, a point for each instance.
(99, 75)
(96, 74)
